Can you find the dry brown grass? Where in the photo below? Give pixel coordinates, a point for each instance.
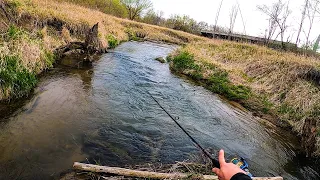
(52, 24)
(271, 71)
(28, 57)
(280, 79)
(275, 74)
(76, 17)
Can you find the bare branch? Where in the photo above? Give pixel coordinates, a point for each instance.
(233, 16)
(302, 19)
(278, 14)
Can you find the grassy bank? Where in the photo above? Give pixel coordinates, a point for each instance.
(23, 55)
(281, 84)
(33, 29)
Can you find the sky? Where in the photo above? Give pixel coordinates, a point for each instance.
(255, 21)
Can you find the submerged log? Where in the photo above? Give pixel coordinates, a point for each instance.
(146, 174)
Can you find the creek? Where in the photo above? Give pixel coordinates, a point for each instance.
(105, 115)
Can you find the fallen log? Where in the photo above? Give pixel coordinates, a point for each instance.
(146, 174)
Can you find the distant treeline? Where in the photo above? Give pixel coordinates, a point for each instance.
(179, 22)
(142, 11)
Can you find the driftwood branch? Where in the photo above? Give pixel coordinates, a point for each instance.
(146, 174)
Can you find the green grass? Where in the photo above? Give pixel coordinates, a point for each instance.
(285, 108)
(132, 35)
(112, 41)
(15, 78)
(267, 105)
(13, 4)
(14, 32)
(184, 61)
(315, 112)
(49, 58)
(289, 112)
(218, 81)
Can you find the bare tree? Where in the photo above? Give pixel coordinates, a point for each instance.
(278, 14)
(272, 27)
(274, 14)
(303, 14)
(217, 16)
(135, 7)
(311, 14)
(233, 16)
(243, 23)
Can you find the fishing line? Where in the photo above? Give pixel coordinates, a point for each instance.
(206, 153)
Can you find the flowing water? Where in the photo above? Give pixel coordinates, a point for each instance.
(105, 115)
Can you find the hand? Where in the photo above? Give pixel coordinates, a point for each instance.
(227, 170)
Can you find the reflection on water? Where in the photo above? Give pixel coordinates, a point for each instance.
(105, 115)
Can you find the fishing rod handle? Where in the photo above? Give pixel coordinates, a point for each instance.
(215, 163)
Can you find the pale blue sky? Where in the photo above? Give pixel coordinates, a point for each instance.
(256, 22)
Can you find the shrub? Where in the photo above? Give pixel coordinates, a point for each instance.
(217, 82)
(184, 61)
(112, 41)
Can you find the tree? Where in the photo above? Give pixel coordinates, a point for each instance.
(278, 15)
(243, 23)
(233, 16)
(217, 16)
(203, 26)
(183, 23)
(310, 13)
(155, 18)
(303, 14)
(136, 7)
(272, 27)
(116, 8)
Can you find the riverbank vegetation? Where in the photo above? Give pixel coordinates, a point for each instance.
(22, 56)
(266, 81)
(142, 11)
(31, 33)
(282, 84)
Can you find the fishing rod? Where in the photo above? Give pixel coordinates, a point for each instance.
(206, 153)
